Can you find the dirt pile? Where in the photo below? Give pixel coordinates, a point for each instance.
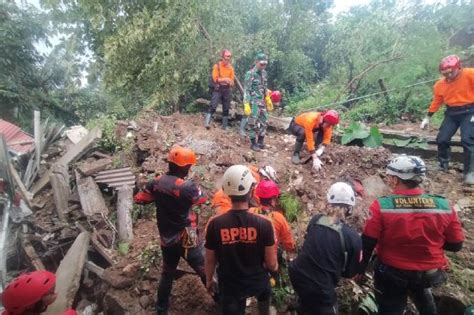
(129, 283)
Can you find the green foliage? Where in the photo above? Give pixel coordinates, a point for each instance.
(368, 304)
(412, 142)
(150, 256)
(109, 141)
(291, 206)
(358, 131)
(123, 248)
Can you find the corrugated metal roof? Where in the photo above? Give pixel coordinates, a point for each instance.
(17, 140)
(116, 178)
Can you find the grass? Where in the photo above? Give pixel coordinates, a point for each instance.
(291, 206)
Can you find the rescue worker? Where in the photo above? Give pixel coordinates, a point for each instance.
(177, 223)
(222, 83)
(242, 246)
(257, 102)
(222, 203)
(331, 249)
(268, 192)
(31, 294)
(316, 129)
(410, 230)
(456, 90)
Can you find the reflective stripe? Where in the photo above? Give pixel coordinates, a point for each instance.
(414, 210)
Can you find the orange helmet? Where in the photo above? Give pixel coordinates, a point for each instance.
(181, 156)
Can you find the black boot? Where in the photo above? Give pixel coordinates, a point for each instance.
(254, 145)
(225, 122)
(295, 159)
(260, 143)
(443, 164)
(264, 307)
(207, 122)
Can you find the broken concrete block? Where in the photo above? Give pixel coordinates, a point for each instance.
(69, 273)
(116, 280)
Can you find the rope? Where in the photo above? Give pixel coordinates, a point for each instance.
(365, 96)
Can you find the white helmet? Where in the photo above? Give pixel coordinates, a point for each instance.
(237, 180)
(269, 172)
(341, 192)
(407, 167)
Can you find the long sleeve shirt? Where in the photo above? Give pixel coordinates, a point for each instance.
(311, 121)
(456, 93)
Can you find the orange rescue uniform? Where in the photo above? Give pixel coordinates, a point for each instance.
(311, 121)
(222, 70)
(281, 226)
(455, 93)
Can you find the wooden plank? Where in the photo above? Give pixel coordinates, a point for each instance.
(124, 209)
(31, 254)
(90, 196)
(104, 252)
(90, 168)
(98, 271)
(61, 191)
(71, 155)
(21, 187)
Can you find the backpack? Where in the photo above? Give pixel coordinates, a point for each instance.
(324, 221)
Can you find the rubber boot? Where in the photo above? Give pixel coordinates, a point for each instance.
(207, 122)
(443, 164)
(225, 122)
(469, 171)
(243, 123)
(260, 143)
(469, 178)
(264, 307)
(295, 159)
(254, 145)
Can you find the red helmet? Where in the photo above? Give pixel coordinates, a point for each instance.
(450, 62)
(331, 117)
(275, 96)
(26, 290)
(226, 53)
(267, 189)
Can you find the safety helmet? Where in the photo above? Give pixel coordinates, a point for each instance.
(275, 96)
(226, 53)
(450, 62)
(331, 117)
(407, 167)
(26, 290)
(341, 192)
(267, 189)
(269, 172)
(237, 180)
(181, 156)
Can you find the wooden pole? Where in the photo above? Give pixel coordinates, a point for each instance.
(124, 209)
(59, 179)
(37, 130)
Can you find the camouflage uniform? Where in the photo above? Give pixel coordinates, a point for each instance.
(255, 91)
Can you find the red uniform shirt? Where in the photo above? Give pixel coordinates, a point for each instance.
(411, 229)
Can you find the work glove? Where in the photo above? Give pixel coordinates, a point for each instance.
(317, 164)
(425, 122)
(269, 103)
(320, 151)
(247, 109)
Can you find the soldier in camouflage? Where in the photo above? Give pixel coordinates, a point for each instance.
(256, 102)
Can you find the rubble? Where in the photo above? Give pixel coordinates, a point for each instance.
(91, 194)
